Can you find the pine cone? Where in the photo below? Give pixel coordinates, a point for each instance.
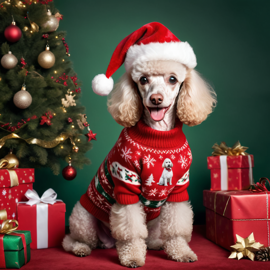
(263, 254)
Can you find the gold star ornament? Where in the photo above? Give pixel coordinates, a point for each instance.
(245, 247)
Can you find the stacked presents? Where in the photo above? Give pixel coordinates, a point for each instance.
(232, 208)
(41, 221)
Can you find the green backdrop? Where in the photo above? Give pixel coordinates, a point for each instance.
(231, 42)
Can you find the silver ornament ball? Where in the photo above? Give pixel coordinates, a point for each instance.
(22, 99)
(9, 61)
(52, 24)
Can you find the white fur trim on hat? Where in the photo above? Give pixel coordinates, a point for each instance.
(177, 51)
(102, 85)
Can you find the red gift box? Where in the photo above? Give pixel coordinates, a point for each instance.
(237, 212)
(45, 221)
(231, 172)
(10, 196)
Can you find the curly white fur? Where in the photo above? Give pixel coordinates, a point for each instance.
(129, 229)
(83, 237)
(131, 253)
(176, 228)
(196, 99)
(128, 221)
(176, 219)
(124, 103)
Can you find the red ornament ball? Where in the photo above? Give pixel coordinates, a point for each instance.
(69, 172)
(13, 33)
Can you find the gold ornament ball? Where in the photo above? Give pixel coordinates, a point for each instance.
(22, 99)
(12, 160)
(75, 149)
(9, 61)
(46, 59)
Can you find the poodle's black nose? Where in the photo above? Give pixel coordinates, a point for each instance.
(156, 99)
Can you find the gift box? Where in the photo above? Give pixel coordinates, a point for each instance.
(15, 249)
(231, 172)
(237, 212)
(13, 185)
(44, 217)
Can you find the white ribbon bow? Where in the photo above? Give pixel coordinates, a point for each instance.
(48, 197)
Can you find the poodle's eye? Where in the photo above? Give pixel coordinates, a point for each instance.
(143, 80)
(172, 80)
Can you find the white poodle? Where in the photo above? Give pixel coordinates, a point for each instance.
(167, 173)
(158, 91)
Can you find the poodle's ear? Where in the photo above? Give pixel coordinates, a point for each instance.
(196, 99)
(163, 164)
(124, 103)
(172, 163)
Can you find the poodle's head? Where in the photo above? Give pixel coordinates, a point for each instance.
(158, 83)
(167, 163)
(160, 86)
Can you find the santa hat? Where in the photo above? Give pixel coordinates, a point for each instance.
(152, 41)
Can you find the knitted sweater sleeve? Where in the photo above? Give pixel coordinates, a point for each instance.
(124, 175)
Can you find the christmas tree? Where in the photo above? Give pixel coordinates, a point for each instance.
(40, 115)
(150, 180)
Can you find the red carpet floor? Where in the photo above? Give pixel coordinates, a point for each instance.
(210, 256)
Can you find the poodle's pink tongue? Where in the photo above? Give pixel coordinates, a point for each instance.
(157, 114)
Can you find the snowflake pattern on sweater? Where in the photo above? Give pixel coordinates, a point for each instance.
(144, 165)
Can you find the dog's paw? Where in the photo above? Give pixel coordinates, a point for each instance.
(189, 257)
(131, 253)
(132, 265)
(81, 249)
(178, 250)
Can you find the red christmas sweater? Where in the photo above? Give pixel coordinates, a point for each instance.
(144, 165)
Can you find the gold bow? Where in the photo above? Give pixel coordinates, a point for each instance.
(223, 149)
(7, 226)
(4, 164)
(245, 247)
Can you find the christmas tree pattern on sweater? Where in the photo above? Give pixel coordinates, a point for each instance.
(134, 171)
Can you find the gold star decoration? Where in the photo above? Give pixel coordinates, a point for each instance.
(245, 247)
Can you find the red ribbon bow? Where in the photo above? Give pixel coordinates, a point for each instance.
(260, 186)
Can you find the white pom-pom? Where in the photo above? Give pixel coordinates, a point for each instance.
(102, 85)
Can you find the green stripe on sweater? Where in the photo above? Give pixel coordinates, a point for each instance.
(151, 204)
(102, 192)
(107, 172)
